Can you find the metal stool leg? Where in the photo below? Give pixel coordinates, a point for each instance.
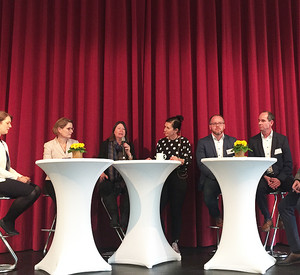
(218, 237)
(276, 254)
(217, 230)
(272, 215)
(51, 230)
(118, 229)
(8, 267)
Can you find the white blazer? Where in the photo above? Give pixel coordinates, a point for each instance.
(53, 150)
(4, 174)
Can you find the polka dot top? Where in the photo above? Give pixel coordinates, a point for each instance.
(179, 147)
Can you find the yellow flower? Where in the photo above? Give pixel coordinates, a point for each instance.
(241, 145)
(77, 147)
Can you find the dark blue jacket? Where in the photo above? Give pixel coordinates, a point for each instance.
(206, 149)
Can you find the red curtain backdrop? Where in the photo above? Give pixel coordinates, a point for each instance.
(140, 61)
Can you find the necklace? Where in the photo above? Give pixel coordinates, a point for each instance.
(63, 146)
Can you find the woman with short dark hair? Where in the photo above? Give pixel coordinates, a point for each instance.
(175, 147)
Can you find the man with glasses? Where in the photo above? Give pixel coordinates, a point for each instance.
(277, 177)
(215, 145)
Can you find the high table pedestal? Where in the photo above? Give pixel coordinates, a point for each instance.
(73, 249)
(144, 243)
(240, 246)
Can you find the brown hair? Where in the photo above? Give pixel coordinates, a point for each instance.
(4, 115)
(60, 123)
(209, 121)
(270, 115)
(112, 135)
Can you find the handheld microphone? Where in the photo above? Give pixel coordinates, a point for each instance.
(123, 141)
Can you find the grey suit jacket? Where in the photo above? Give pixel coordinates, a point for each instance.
(297, 177)
(206, 149)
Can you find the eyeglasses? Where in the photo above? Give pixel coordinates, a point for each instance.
(217, 123)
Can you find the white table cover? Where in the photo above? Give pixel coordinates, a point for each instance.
(73, 249)
(145, 243)
(240, 246)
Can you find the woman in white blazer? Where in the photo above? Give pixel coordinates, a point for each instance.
(58, 147)
(12, 183)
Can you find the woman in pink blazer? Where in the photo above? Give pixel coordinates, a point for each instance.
(58, 147)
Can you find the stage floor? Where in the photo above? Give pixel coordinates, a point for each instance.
(192, 263)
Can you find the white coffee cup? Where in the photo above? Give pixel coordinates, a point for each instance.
(160, 156)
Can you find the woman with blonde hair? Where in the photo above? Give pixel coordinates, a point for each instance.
(58, 147)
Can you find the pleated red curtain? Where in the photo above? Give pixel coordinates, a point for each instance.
(142, 61)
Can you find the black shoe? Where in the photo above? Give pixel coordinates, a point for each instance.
(114, 223)
(291, 259)
(9, 231)
(267, 225)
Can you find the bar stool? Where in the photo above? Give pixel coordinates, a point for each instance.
(50, 231)
(276, 254)
(7, 267)
(118, 229)
(218, 229)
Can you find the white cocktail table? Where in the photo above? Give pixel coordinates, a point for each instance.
(73, 249)
(240, 246)
(144, 243)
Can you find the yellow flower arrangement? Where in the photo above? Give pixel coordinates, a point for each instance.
(241, 145)
(77, 147)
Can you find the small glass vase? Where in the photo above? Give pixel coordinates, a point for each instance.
(77, 154)
(239, 154)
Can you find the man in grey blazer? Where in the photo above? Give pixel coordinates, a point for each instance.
(287, 213)
(215, 145)
(277, 177)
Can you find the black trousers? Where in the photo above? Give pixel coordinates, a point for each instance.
(263, 189)
(14, 189)
(287, 213)
(110, 191)
(49, 190)
(24, 194)
(173, 192)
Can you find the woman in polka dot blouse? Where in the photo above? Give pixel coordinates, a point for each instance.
(175, 147)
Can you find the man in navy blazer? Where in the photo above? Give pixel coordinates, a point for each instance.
(271, 144)
(215, 145)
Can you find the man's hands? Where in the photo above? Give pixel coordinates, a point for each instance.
(296, 186)
(103, 177)
(274, 183)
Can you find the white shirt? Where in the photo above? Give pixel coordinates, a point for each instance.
(219, 145)
(267, 144)
(4, 174)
